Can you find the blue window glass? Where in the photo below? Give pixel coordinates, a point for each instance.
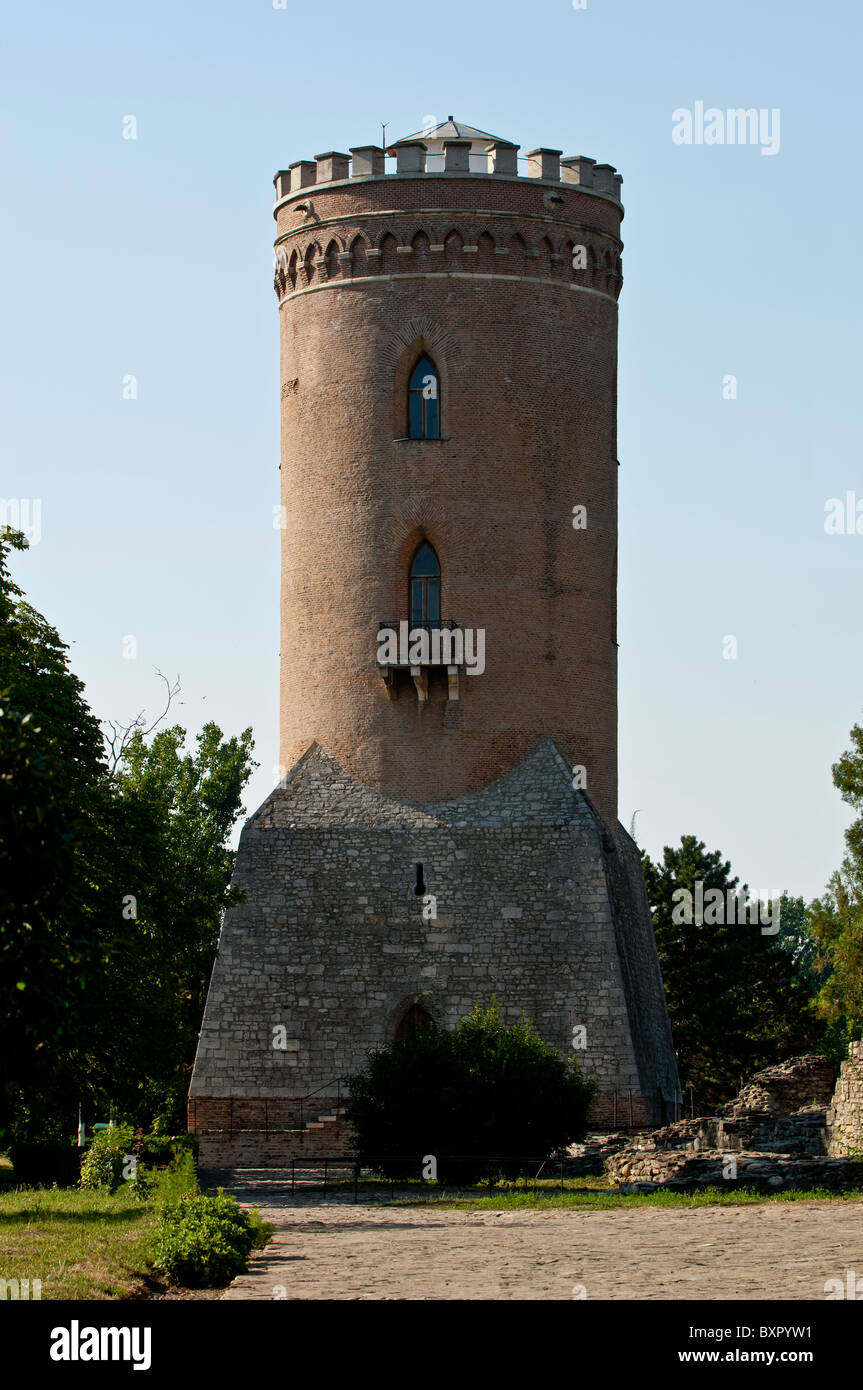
(415, 424)
(416, 601)
(425, 586)
(425, 561)
(424, 401)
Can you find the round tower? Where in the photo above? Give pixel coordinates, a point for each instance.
(448, 395)
(445, 829)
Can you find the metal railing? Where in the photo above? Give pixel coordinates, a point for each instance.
(438, 625)
(342, 1174)
(337, 1082)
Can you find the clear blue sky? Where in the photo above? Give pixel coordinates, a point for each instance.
(152, 257)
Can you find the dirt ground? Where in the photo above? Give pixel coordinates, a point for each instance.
(777, 1251)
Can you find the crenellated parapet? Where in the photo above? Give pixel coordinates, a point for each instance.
(449, 201)
(413, 158)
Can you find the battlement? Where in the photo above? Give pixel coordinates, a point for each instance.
(452, 151)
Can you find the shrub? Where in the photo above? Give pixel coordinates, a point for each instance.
(203, 1241)
(480, 1091)
(104, 1161)
(178, 1179)
(159, 1148)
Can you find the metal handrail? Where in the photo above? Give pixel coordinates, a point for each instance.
(448, 624)
(338, 1084)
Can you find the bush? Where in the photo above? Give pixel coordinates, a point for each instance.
(105, 1160)
(203, 1241)
(480, 1091)
(178, 1179)
(159, 1149)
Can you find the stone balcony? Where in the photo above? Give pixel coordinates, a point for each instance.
(421, 647)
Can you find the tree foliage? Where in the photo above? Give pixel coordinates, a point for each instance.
(737, 999)
(480, 1090)
(836, 918)
(112, 891)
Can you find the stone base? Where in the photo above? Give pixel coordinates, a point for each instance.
(359, 909)
(684, 1172)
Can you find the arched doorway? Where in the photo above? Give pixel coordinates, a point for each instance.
(414, 1019)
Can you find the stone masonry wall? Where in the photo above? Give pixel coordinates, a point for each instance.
(786, 1088)
(331, 945)
(845, 1115)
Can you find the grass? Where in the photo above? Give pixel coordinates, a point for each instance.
(592, 1192)
(610, 1200)
(81, 1244)
(375, 1183)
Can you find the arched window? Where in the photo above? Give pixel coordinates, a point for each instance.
(425, 586)
(424, 401)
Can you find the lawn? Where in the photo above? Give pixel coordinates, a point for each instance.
(84, 1244)
(80, 1244)
(598, 1200)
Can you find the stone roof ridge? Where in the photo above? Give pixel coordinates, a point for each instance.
(540, 784)
(314, 750)
(451, 129)
(318, 790)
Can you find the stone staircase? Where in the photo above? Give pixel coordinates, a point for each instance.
(285, 1138)
(332, 1117)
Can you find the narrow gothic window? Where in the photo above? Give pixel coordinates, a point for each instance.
(424, 401)
(425, 586)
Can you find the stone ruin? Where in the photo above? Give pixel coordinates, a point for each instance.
(786, 1088)
(845, 1115)
(786, 1128)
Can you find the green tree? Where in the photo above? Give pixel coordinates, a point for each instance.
(836, 918)
(735, 998)
(480, 1090)
(192, 801)
(58, 823)
(112, 891)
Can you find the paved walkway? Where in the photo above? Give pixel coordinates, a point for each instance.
(337, 1251)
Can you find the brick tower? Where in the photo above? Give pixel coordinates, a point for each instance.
(446, 826)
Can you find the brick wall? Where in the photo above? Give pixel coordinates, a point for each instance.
(526, 348)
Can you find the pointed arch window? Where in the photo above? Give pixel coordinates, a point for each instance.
(425, 586)
(424, 401)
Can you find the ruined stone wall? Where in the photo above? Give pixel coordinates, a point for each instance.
(845, 1116)
(786, 1088)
